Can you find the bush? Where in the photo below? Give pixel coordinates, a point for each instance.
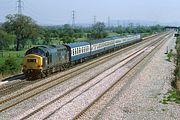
(171, 96)
(169, 55)
(10, 66)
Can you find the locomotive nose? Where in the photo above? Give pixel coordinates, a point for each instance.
(32, 64)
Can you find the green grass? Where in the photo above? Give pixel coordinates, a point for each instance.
(174, 95)
(171, 96)
(113, 34)
(17, 56)
(18, 60)
(11, 68)
(81, 39)
(146, 34)
(5, 54)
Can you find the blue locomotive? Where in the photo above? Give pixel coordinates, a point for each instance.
(46, 59)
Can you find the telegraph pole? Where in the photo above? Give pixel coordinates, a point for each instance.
(73, 18)
(19, 6)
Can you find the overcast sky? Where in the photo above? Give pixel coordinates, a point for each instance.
(60, 11)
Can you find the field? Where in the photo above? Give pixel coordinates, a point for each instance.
(12, 54)
(10, 62)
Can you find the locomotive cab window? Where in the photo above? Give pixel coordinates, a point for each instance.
(36, 51)
(31, 60)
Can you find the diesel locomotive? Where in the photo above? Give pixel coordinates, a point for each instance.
(43, 60)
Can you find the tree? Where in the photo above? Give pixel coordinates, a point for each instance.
(23, 27)
(9, 66)
(68, 30)
(6, 40)
(67, 39)
(98, 31)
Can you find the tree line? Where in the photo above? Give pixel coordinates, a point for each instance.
(19, 32)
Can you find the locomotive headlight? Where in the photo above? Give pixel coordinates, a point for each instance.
(40, 66)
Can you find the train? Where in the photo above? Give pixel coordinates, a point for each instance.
(43, 60)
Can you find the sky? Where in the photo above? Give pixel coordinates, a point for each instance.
(58, 12)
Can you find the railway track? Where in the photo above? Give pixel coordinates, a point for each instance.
(97, 106)
(5, 90)
(59, 104)
(8, 89)
(11, 101)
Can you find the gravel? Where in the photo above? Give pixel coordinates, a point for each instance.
(37, 100)
(82, 100)
(141, 100)
(60, 89)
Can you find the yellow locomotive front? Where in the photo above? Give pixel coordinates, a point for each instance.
(32, 65)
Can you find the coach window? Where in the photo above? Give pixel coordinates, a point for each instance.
(91, 47)
(77, 51)
(80, 50)
(86, 49)
(83, 49)
(72, 52)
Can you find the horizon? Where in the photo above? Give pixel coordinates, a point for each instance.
(56, 12)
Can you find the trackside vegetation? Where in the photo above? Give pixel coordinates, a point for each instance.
(177, 70)
(174, 94)
(171, 96)
(10, 66)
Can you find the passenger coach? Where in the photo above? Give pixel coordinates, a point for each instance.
(79, 51)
